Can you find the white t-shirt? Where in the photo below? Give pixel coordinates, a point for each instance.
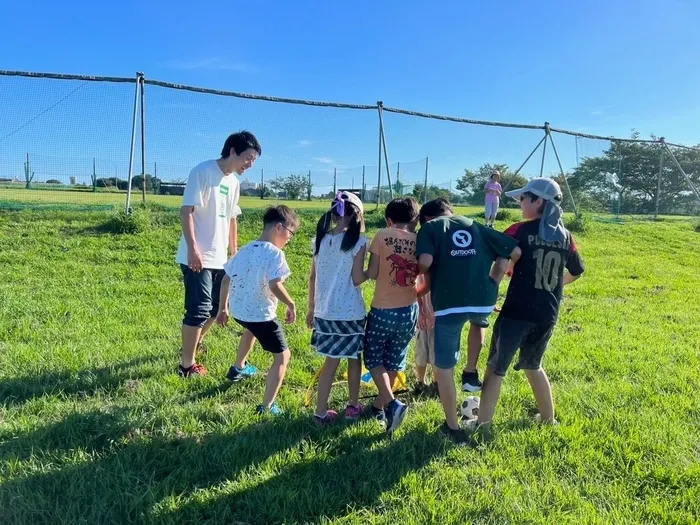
(251, 270)
(336, 297)
(215, 200)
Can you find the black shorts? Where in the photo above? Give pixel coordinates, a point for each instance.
(509, 335)
(268, 333)
(202, 291)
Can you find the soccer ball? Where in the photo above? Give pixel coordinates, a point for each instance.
(470, 407)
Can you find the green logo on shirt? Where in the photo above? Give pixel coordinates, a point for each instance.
(223, 190)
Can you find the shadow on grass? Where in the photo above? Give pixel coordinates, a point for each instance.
(359, 471)
(14, 391)
(109, 473)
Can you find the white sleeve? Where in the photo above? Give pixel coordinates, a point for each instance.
(278, 268)
(362, 241)
(235, 209)
(193, 190)
(229, 267)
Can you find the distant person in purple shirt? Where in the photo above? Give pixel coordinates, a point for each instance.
(493, 195)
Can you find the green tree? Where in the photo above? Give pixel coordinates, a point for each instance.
(434, 192)
(472, 182)
(295, 186)
(137, 182)
(636, 167)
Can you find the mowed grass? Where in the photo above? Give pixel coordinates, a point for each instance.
(96, 427)
(20, 198)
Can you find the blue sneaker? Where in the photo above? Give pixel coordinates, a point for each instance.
(239, 374)
(395, 412)
(274, 409)
(378, 414)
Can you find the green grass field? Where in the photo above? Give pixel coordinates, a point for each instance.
(96, 427)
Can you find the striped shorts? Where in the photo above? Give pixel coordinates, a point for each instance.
(339, 339)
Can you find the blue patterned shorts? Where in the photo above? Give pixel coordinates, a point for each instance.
(388, 334)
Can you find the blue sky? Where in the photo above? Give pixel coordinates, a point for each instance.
(598, 67)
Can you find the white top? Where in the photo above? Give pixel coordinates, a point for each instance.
(251, 270)
(215, 200)
(336, 297)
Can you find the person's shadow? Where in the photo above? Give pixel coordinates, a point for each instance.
(338, 478)
(17, 390)
(102, 467)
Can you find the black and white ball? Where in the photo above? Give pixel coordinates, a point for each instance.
(470, 407)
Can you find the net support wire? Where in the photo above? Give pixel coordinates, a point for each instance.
(95, 78)
(669, 151)
(543, 143)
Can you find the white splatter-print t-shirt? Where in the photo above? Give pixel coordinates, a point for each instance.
(336, 297)
(251, 270)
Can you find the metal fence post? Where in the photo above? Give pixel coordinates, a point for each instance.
(143, 140)
(658, 179)
(133, 144)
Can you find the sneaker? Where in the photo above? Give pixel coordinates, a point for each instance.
(471, 425)
(395, 414)
(378, 414)
(458, 437)
(195, 370)
(352, 412)
(239, 374)
(330, 417)
(538, 419)
(470, 382)
(273, 409)
(433, 390)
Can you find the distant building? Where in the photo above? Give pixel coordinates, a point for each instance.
(247, 185)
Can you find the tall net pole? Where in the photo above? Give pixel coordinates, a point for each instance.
(658, 179)
(561, 168)
(133, 142)
(380, 108)
(143, 141)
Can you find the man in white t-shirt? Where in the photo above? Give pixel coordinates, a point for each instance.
(208, 216)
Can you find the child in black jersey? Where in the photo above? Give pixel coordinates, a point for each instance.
(531, 307)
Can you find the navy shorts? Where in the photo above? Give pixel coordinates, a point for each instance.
(268, 333)
(511, 335)
(448, 336)
(202, 291)
(388, 333)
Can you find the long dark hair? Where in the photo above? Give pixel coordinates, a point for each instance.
(352, 235)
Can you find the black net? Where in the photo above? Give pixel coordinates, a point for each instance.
(64, 141)
(635, 178)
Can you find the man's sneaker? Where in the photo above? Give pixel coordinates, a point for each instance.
(273, 409)
(395, 413)
(352, 412)
(330, 417)
(470, 382)
(458, 437)
(239, 374)
(195, 370)
(378, 414)
(538, 419)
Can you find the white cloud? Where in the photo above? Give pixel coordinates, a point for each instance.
(324, 160)
(303, 143)
(211, 64)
